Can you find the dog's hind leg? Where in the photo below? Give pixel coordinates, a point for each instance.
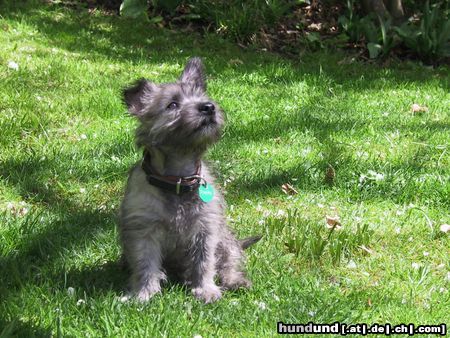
(230, 256)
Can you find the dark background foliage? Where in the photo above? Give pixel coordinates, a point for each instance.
(376, 29)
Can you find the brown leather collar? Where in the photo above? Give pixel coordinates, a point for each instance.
(175, 184)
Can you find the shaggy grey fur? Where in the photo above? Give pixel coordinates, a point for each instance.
(164, 234)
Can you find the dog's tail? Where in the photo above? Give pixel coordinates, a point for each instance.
(246, 242)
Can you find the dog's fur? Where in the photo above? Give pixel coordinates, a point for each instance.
(164, 234)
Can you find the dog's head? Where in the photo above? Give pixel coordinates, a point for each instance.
(178, 114)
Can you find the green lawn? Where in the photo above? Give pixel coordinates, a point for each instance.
(67, 144)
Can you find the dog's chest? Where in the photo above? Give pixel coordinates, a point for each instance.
(183, 225)
(186, 210)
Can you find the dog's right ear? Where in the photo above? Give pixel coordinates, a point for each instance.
(194, 73)
(136, 96)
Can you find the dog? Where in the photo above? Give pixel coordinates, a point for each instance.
(172, 222)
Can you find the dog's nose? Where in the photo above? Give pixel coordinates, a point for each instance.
(207, 108)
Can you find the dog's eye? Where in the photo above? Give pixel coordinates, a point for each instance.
(172, 105)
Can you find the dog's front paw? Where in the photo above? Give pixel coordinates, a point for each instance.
(238, 283)
(145, 293)
(208, 294)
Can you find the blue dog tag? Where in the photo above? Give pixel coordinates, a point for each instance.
(206, 192)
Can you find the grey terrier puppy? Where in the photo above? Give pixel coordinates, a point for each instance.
(172, 221)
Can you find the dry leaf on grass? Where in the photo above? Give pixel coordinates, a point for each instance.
(333, 222)
(289, 189)
(347, 61)
(366, 249)
(236, 62)
(330, 174)
(416, 108)
(20, 209)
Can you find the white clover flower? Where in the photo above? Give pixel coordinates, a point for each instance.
(261, 305)
(281, 213)
(13, 65)
(124, 299)
(266, 213)
(351, 264)
(376, 176)
(445, 228)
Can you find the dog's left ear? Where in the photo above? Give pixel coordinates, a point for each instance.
(194, 73)
(136, 96)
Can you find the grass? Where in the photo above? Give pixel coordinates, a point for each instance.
(66, 145)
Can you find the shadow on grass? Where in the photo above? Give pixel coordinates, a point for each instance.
(38, 255)
(109, 276)
(17, 328)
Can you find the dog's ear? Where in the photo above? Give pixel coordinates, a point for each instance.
(194, 73)
(136, 96)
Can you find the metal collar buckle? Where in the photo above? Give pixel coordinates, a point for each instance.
(178, 186)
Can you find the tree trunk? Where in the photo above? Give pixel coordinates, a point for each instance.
(376, 6)
(396, 9)
(385, 8)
